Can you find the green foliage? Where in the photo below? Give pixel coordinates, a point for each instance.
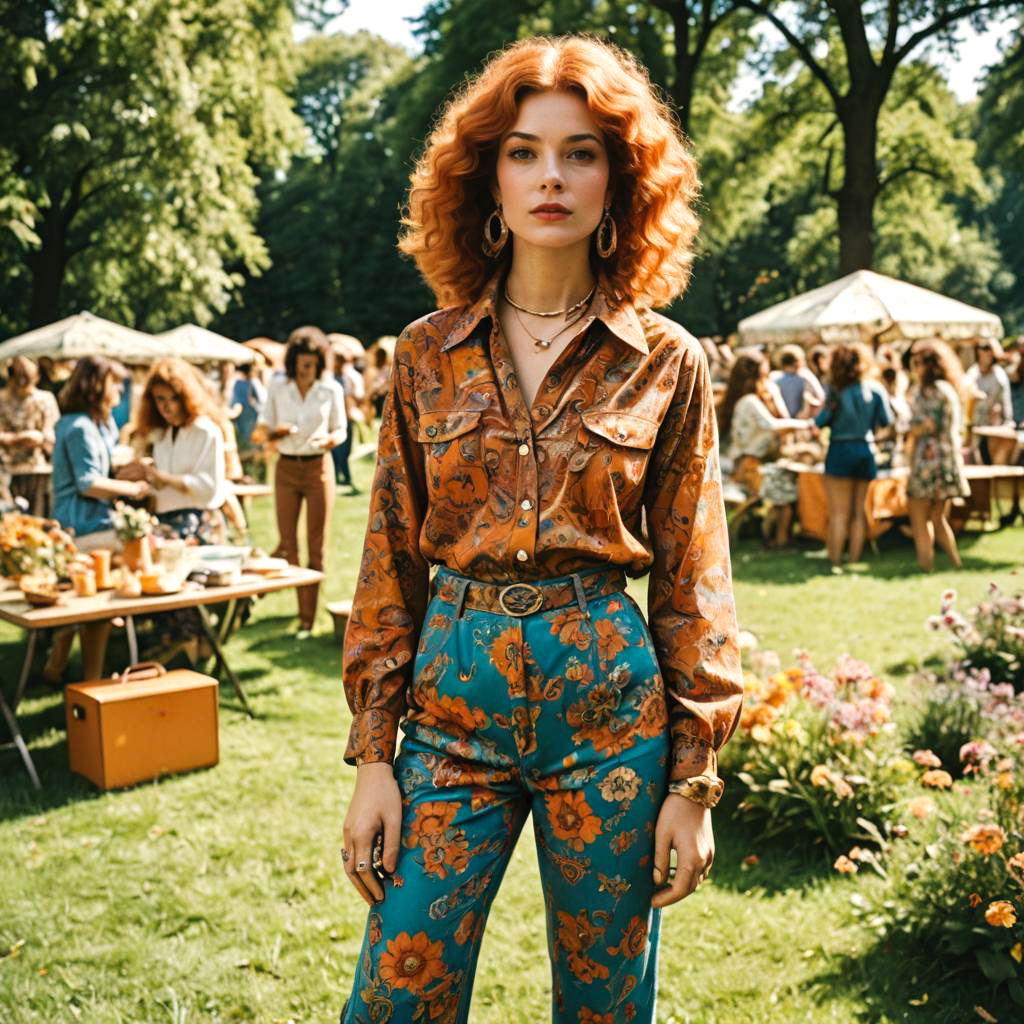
(131, 137)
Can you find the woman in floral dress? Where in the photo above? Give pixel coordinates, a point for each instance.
(936, 459)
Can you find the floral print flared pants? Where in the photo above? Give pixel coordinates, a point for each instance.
(562, 713)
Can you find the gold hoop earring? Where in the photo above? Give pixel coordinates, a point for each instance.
(607, 237)
(492, 246)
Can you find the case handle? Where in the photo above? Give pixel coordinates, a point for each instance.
(141, 670)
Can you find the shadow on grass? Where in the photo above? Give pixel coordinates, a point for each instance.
(894, 559)
(896, 981)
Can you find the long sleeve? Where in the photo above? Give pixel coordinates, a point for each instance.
(391, 592)
(205, 480)
(690, 602)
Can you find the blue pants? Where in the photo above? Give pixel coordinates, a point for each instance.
(560, 713)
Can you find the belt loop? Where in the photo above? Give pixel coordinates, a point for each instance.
(461, 585)
(581, 596)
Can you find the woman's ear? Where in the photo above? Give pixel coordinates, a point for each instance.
(495, 193)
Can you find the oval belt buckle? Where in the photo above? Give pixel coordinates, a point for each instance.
(522, 603)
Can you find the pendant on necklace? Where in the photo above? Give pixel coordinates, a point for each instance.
(542, 343)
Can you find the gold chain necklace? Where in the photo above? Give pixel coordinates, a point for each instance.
(567, 312)
(543, 344)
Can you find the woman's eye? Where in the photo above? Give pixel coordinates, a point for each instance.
(583, 154)
(519, 153)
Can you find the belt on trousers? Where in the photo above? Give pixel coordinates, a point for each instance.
(519, 598)
(303, 458)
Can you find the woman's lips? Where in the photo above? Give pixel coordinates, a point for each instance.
(551, 214)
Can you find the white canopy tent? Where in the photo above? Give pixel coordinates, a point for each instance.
(86, 335)
(198, 345)
(865, 306)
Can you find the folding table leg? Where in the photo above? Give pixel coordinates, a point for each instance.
(133, 642)
(9, 712)
(211, 635)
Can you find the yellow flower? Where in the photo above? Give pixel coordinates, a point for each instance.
(845, 866)
(843, 788)
(1005, 780)
(761, 734)
(1000, 914)
(1017, 952)
(794, 730)
(985, 839)
(820, 775)
(937, 779)
(921, 807)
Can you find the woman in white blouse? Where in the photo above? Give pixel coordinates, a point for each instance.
(305, 414)
(177, 416)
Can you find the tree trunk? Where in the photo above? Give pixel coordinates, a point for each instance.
(856, 196)
(685, 66)
(47, 265)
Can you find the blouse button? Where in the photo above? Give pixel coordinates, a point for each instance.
(522, 555)
(621, 435)
(524, 449)
(431, 431)
(526, 505)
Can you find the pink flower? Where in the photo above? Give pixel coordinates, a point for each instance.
(977, 752)
(926, 759)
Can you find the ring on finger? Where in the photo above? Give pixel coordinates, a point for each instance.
(344, 855)
(361, 866)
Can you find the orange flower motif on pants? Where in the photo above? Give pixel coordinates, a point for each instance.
(572, 819)
(412, 962)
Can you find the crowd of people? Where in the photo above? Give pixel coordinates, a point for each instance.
(917, 407)
(76, 439)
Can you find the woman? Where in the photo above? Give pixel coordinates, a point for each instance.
(305, 414)
(84, 489)
(28, 416)
(993, 402)
(752, 433)
(854, 409)
(187, 472)
(936, 460)
(528, 428)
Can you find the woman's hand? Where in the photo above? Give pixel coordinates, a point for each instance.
(375, 809)
(683, 826)
(131, 471)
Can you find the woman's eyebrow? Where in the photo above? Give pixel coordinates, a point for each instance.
(585, 137)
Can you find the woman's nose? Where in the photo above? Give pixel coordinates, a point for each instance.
(553, 178)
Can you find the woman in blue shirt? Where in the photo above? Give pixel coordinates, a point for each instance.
(83, 488)
(854, 409)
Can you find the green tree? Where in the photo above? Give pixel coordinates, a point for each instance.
(854, 50)
(131, 129)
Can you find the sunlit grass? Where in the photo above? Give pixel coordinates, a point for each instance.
(218, 896)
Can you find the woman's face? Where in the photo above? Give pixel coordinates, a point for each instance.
(305, 369)
(113, 389)
(552, 175)
(169, 404)
(916, 365)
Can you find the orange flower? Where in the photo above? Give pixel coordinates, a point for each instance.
(505, 652)
(845, 866)
(843, 788)
(431, 822)
(572, 818)
(937, 779)
(1015, 865)
(576, 935)
(1017, 951)
(921, 807)
(570, 628)
(974, 900)
(634, 939)
(1005, 780)
(590, 1017)
(412, 962)
(609, 640)
(926, 759)
(1000, 914)
(985, 839)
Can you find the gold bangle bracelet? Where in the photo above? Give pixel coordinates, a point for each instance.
(705, 790)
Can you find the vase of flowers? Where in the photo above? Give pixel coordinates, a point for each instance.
(30, 545)
(133, 526)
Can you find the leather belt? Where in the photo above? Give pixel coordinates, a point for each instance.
(302, 458)
(519, 598)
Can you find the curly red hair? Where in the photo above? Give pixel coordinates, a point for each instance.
(652, 168)
(187, 386)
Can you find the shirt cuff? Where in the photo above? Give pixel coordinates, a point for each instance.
(372, 738)
(690, 759)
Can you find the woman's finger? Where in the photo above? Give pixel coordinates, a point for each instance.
(392, 842)
(363, 853)
(349, 862)
(662, 855)
(681, 887)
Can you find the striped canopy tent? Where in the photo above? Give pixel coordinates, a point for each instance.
(86, 335)
(869, 307)
(196, 344)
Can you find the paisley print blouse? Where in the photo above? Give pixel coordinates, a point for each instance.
(616, 463)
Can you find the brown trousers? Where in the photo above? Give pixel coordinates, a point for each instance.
(312, 481)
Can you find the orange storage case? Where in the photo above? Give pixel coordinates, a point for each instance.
(141, 724)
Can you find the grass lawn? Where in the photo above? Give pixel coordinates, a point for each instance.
(219, 896)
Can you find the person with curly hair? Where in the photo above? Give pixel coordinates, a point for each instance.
(545, 434)
(178, 421)
(855, 407)
(935, 451)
